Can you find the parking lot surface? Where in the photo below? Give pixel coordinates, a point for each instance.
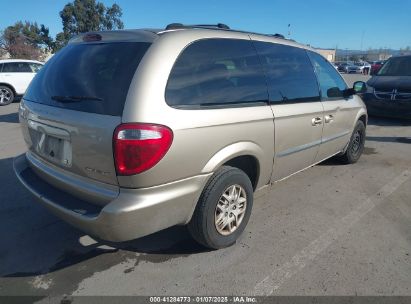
(330, 230)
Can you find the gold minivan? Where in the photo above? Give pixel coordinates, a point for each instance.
(130, 132)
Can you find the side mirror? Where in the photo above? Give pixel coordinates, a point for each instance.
(360, 87)
(349, 92)
(334, 92)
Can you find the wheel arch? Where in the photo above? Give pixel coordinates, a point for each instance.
(364, 119)
(361, 116)
(5, 84)
(245, 156)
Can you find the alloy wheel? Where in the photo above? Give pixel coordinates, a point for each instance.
(5, 96)
(230, 210)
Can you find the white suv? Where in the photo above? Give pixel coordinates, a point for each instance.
(15, 77)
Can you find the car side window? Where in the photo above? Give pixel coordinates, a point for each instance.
(16, 67)
(217, 72)
(1, 67)
(35, 67)
(331, 83)
(8, 68)
(291, 77)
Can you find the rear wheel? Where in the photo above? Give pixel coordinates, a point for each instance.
(223, 209)
(6, 95)
(356, 145)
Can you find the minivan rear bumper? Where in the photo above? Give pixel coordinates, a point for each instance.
(134, 213)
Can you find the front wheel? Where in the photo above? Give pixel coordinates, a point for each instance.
(223, 209)
(356, 145)
(6, 95)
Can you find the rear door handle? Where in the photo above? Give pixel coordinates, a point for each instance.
(316, 121)
(328, 118)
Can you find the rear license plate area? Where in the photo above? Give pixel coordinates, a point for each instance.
(53, 147)
(56, 149)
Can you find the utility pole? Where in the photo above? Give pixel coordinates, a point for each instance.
(289, 30)
(336, 51)
(362, 39)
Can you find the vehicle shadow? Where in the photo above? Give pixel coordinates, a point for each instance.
(386, 122)
(33, 241)
(333, 161)
(403, 140)
(10, 118)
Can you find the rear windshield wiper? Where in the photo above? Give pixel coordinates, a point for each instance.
(75, 98)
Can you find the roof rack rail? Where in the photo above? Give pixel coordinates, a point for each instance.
(220, 26)
(173, 26)
(276, 35)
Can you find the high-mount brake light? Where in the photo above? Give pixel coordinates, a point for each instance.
(92, 37)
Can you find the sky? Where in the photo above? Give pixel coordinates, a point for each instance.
(345, 24)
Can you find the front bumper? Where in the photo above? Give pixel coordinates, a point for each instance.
(133, 214)
(387, 108)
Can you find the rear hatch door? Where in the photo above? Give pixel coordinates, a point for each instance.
(73, 105)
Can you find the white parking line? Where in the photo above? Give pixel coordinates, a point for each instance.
(273, 282)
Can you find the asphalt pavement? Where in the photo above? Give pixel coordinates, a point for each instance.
(330, 230)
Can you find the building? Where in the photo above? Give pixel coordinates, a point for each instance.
(329, 54)
(378, 56)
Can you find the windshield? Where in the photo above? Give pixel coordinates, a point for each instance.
(88, 77)
(398, 66)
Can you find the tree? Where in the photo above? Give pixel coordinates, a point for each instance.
(354, 58)
(26, 40)
(61, 40)
(82, 16)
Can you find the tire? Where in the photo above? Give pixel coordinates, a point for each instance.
(231, 214)
(6, 96)
(356, 145)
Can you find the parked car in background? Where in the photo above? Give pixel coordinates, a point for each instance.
(338, 65)
(15, 77)
(389, 92)
(364, 66)
(176, 126)
(341, 66)
(376, 66)
(349, 68)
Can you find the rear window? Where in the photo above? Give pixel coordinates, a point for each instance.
(93, 77)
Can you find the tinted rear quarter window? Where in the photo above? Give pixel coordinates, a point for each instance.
(291, 76)
(217, 72)
(99, 70)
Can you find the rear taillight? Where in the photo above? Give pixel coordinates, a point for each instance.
(138, 147)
